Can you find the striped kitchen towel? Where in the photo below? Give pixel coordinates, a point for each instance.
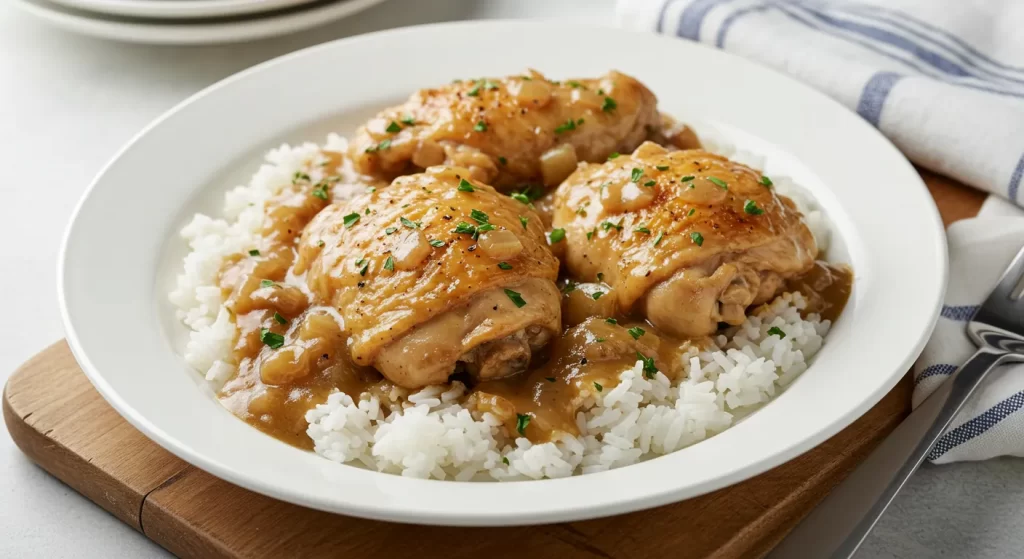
(944, 80)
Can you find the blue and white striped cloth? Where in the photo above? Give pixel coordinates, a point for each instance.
(944, 80)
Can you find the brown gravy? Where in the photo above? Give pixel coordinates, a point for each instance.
(291, 354)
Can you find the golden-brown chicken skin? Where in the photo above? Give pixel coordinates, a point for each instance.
(431, 271)
(689, 238)
(508, 132)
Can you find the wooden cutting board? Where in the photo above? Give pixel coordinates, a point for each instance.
(58, 420)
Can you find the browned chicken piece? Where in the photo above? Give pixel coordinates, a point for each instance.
(509, 132)
(689, 238)
(432, 271)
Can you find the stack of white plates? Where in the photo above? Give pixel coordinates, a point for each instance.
(190, 22)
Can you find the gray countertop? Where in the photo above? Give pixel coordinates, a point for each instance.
(68, 103)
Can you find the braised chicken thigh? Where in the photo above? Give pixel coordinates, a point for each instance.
(511, 131)
(432, 271)
(689, 238)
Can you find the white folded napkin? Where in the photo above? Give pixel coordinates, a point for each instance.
(944, 80)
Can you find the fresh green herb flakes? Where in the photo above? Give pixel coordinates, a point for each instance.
(270, 339)
(521, 422)
(752, 208)
(515, 298)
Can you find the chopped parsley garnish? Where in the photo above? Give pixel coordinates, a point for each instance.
(752, 208)
(557, 235)
(280, 319)
(384, 144)
(254, 252)
(636, 174)
(697, 238)
(649, 369)
(649, 183)
(466, 186)
(613, 155)
(524, 221)
(597, 295)
(609, 105)
(766, 181)
(480, 126)
(362, 271)
(521, 422)
(389, 264)
(689, 213)
(570, 286)
(371, 189)
(504, 265)
(479, 216)
(636, 332)
(361, 261)
(321, 191)
(599, 340)
(408, 119)
(661, 167)
(657, 240)
(502, 160)
(568, 126)
(776, 331)
(474, 92)
(504, 460)
(549, 379)
(271, 339)
(608, 225)
(408, 223)
(299, 175)
(320, 243)
(600, 276)
(436, 243)
(590, 234)
(516, 298)
(687, 178)
(464, 228)
(488, 84)
(642, 229)
(574, 84)
(721, 183)
(520, 197)
(611, 321)
(598, 387)
(393, 127)
(350, 220)
(267, 283)
(390, 230)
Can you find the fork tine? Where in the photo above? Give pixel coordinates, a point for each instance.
(1010, 283)
(1004, 307)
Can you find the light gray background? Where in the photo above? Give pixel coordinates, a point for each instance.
(67, 103)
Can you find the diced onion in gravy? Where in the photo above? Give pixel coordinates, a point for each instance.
(411, 250)
(558, 163)
(500, 245)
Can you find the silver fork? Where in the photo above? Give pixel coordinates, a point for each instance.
(838, 526)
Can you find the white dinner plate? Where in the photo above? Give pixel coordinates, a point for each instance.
(179, 9)
(121, 252)
(303, 15)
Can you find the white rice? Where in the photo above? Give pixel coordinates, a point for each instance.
(428, 434)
